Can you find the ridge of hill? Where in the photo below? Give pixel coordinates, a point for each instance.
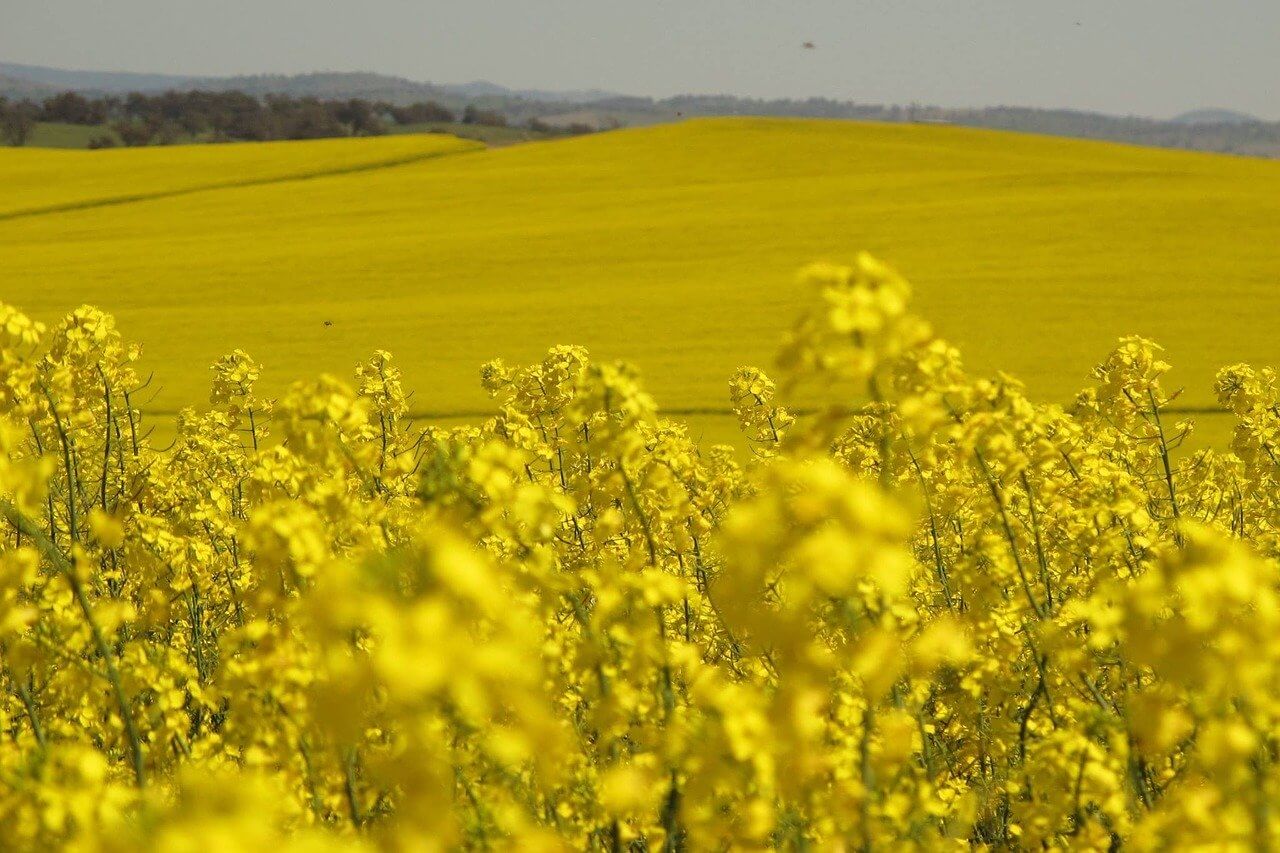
(1214, 115)
(62, 79)
(19, 88)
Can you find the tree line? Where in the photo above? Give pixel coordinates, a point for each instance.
(143, 119)
(198, 115)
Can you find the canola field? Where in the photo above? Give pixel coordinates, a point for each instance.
(948, 618)
(41, 182)
(672, 247)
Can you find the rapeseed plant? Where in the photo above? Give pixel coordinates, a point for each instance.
(929, 613)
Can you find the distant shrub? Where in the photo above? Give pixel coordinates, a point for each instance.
(488, 118)
(423, 113)
(74, 108)
(134, 133)
(17, 121)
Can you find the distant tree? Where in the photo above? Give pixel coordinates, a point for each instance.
(134, 133)
(236, 115)
(250, 125)
(490, 118)
(311, 119)
(73, 108)
(104, 140)
(18, 122)
(425, 112)
(137, 105)
(359, 117)
(167, 132)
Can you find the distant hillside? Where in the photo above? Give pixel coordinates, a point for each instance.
(60, 79)
(1215, 116)
(18, 81)
(18, 88)
(326, 86)
(485, 89)
(1216, 130)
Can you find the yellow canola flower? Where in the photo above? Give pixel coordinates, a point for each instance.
(924, 612)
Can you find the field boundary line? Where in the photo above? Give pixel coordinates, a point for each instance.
(133, 198)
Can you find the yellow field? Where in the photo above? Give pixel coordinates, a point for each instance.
(43, 181)
(950, 617)
(663, 245)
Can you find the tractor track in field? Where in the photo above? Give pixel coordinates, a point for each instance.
(132, 198)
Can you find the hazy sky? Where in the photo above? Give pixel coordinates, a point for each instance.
(1152, 57)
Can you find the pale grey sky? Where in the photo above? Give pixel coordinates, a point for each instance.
(1151, 57)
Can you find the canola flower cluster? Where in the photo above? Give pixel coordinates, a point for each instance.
(931, 614)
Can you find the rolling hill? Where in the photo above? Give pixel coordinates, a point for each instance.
(672, 246)
(61, 79)
(19, 88)
(1215, 116)
(39, 81)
